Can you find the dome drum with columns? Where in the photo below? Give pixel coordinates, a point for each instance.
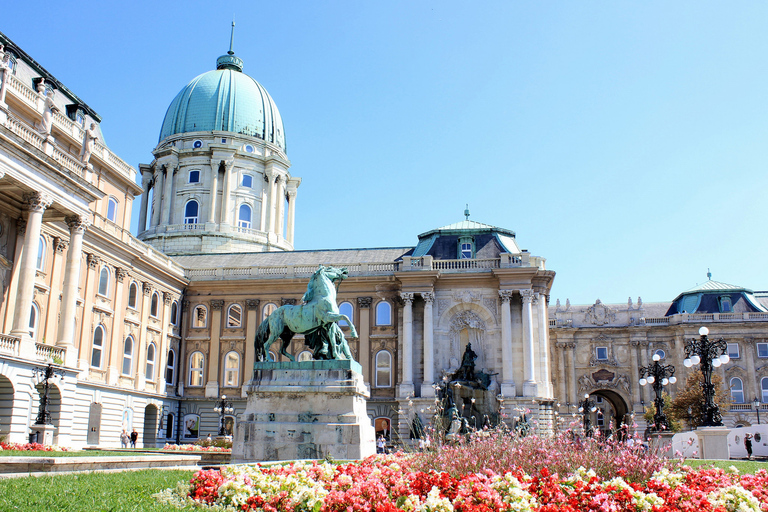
(220, 180)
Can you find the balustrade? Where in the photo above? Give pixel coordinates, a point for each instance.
(9, 345)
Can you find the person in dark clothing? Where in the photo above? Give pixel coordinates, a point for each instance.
(748, 444)
(134, 438)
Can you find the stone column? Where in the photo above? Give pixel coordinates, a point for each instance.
(116, 338)
(251, 324)
(13, 288)
(427, 391)
(634, 344)
(571, 353)
(364, 331)
(291, 214)
(146, 181)
(86, 321)
(140, 349)
(562, 381)
(264, 199)
(214, 192)
(544, 369)
(530, 386)
(35, 203)
(212, 386)
(5, 75)
(52, 308)
(167, 194)
(406, 385)
(157, 198)
(226, 200)
(272, 176)
(507, 367)
(66, 337)
(281, 208)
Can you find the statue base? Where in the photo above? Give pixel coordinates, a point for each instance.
(42, 434)
(713, 443)
(304, 410)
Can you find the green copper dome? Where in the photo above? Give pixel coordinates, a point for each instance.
(225, 100)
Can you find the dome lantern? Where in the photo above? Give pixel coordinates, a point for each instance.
(230, 60)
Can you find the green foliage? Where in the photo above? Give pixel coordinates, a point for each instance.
(674, 422)
(129, 491)
(692, 397)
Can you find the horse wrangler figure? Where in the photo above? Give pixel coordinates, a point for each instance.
(317, 319)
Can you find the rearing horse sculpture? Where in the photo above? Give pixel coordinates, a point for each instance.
(315, 319)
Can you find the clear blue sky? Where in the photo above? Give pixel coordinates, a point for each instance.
(623, 141)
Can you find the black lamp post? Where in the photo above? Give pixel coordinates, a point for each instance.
(45, 374)
(658, 375)
(223, 407)
(711, 354)
(756, 403)
(586, 408)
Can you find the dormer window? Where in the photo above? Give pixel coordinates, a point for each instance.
(194, 176)
(76, 113)
(725, 304)
(11, 61)
(466, 248)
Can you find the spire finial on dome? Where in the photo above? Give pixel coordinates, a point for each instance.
(466, 212)
(709, 275)
(230, 60)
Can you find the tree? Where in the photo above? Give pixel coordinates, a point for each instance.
(688, 405)
(674, 422)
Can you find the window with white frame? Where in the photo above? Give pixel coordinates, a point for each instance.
(762, 350)
(174, 313)
(170, 368)
(197, 144)
(600, 417)
(383, 369)
(383, 313)
(733, 350)
(345, 308)
(40, 263)
(104, 281)
(150, 373)
(127, 356)
(232, 369)
(97, 347)
(737, 390)
(234, 316)
(133, 294)
(194, 176)
(304, 355)
(112, 209)
(601, 353)
(34, 319)
(154, 304)
(196, 362)
(244, 216)
(268, 310)
(200, 317)
(247, 181)
(191, 212)
(725, 304)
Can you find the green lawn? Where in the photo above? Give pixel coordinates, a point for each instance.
(88, 453)
(744, 466)
(129, 491)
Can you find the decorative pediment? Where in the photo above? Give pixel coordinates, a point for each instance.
(603, 375)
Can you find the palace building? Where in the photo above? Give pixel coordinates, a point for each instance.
(149, 331)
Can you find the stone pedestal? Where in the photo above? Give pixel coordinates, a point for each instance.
(661, 443)
(304, 410)
(44, 433)
(713, 443)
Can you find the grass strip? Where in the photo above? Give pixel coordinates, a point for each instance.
(88, 453)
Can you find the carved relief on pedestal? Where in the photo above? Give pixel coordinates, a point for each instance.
(599, 314)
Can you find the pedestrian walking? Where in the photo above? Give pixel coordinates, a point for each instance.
(134, 438)
(124, 439)
(748, 444)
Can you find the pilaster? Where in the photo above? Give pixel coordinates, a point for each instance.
(427, 389)
(251, 325)
(364, 331)
(212, 385)
(507, 365)
(530, 386)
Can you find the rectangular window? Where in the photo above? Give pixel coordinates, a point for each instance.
(733, 350)
(762, 350)
(601, 353)
(194, 176)
(466, 251)
(247, 180)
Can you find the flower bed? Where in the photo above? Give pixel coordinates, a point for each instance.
(195, 448)
(389, 484)
(30, 447)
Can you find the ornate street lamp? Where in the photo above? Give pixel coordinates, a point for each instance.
(756, 403)
(711, 354)
(223, 408)
(658, 375)
(45, 375)
(586, 408)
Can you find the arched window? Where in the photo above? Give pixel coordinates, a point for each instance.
(98, 345)
(174, 312)
(268, 310)
(196, 362)
(345, 308)
(34, 317)
(133, 293)
(234, 316)
(128, 356)
(112, 209)
(169, 425)
(764, 389)
(40, 263)
(194, 176)
(244, 216)
(170, 368)
(150, 373)
(305, 355)
(153, 305)
(191, 212)
(200, 317)
(383, 369)
(737, 390)
(232, 369)
(104, 281)
(383, 313)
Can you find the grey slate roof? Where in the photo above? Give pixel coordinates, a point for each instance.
(268, 259)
